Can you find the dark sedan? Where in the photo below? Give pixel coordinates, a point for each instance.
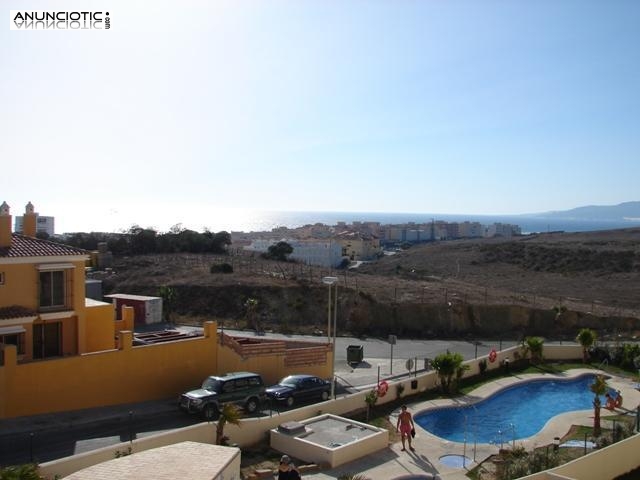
(298, 388)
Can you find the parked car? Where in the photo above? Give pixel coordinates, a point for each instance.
(297, 388)
(244, 389)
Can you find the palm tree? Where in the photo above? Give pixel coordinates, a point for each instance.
(168, 295)
(447, 365)
(251, 314)
(598, 387)
(371, 399)
(534, 346)
(586, 337)
(229, 414)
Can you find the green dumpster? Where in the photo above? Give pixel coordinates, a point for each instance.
(355, 353)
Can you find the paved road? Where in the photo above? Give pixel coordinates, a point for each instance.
(47, 437)
(45, 442)
(404, 349)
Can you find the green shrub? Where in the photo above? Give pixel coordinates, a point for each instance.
(221, 268)
(20, 472)
(482, 365)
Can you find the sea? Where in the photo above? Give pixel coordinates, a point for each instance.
(216, 219)
(268, 220)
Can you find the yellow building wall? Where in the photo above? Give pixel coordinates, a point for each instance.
(78, 286)
(127, 319)
(100, 328)
(106, 378)
(20, 286)
(68, 341)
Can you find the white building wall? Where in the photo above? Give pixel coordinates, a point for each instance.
(502, 229)
(322, 253)
(260, 245)
(43, 224)
(325, 254)
(470, 229)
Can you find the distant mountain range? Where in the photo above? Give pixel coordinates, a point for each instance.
(622, 211)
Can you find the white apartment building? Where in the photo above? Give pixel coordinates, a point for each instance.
(324, 253)
(470, 229)
(43, 224)
(502, 229)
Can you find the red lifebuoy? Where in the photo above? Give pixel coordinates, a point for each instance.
(493, 355)
(382, 388)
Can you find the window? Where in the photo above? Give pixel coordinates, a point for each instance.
(242, 383)
(52, 289)
(255, 381)
(47, 340)
(16, 339)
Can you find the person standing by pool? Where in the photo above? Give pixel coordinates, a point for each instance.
(404, 426)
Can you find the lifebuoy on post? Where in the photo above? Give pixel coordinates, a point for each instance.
(493, 355)
(382, 388)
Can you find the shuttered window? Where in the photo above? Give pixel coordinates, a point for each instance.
(52, 289)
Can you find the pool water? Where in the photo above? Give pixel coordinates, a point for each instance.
(455, 461)
(516, 412)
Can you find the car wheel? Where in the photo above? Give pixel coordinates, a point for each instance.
(210, 411)
(325, 396)
(289, 401)
(252, 405)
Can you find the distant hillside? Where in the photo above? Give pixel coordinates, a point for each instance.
(474, 288)
(623, 211)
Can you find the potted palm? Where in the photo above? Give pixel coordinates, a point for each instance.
(229, 413)
(598, 388)
(586, 337)
(534, 347)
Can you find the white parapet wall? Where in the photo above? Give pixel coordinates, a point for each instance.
(328, 440)
(605, 464)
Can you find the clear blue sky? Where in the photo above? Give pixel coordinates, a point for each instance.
(186, 107)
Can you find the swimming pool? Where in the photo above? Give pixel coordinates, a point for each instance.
(516, 412)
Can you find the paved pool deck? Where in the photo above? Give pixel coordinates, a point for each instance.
(392, 462)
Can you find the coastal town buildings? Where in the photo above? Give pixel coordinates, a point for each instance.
(502, 230)
(362, 241)
(359, 246)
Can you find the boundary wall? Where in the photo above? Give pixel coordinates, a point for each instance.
(128, 374)
(111, 377)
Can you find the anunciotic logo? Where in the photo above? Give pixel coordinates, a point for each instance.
(58, 20)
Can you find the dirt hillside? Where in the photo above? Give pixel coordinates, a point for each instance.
(527, 284)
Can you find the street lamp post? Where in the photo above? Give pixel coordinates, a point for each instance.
(332, 281)
(328, 311)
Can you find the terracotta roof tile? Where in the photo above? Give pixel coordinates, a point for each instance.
(22, 246)
(16, 311)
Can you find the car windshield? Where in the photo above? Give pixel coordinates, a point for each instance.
(211, 384)
(289, 381)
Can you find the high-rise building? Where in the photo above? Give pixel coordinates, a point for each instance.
(43, 224)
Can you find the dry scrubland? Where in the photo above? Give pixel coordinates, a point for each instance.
(597, 272)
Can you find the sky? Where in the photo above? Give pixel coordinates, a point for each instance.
(184, 111)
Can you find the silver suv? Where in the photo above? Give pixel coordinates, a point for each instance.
(244, 389)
